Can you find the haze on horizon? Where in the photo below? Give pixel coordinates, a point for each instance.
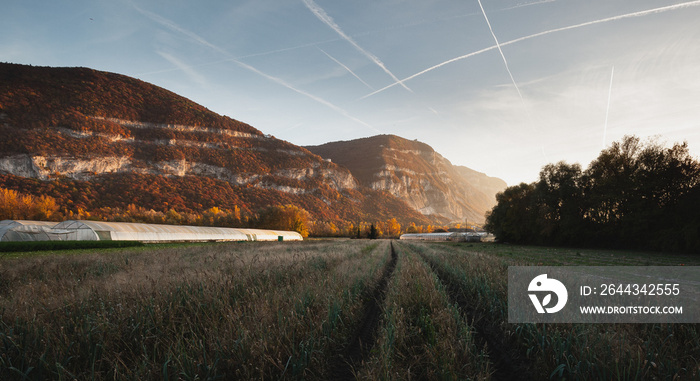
(503, 87)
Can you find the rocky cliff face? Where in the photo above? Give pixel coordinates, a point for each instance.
(87, 169)
(415, 173)
(82, 125)
(281, 162)
(71, 122)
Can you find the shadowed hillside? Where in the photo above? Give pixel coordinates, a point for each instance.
(415, 173)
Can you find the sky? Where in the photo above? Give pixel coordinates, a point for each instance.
(500, 86)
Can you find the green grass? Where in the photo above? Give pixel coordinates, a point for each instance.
(184, 312)
(423, 335)
(106, 248)
(273, 310)
(571, 351)
(555, 256)
(18, 247)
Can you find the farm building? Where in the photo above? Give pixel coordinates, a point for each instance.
(448, 236)
(82, 230)
(24, 230)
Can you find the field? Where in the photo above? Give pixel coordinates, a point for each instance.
(318, 309)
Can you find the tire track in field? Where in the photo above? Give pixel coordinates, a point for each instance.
(362, 341)
(508, 364)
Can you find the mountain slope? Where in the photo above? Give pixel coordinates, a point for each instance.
(123, 141)
(415, 173)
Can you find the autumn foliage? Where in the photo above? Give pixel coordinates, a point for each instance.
(17, 206)
(241, 176)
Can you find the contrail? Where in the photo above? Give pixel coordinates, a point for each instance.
(430, 69)
(189, 70)
(246, 56)
(328, 20)
(167, 23)
(315, 98)
(505, 62)
(500, 51)
(522, 5)
(607, 111)
(614, 18)
(312, 44)
(346, 68)
(173, 26)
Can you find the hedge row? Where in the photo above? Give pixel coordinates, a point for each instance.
(10, 247)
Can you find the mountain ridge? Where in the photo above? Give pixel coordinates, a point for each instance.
(414, 172)
(68, 129)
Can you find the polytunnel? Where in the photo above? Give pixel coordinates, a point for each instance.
(448, 236)
(426, 236)
(25, 230)
(270, 235)
(128, 231)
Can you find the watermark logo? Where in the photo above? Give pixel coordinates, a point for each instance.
(552, 286)
(604, 294)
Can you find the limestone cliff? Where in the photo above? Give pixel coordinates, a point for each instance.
(66, 129)
(415, 173)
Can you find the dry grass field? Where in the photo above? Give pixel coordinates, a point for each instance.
(318, 309)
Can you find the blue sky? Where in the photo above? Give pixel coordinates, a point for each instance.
(503, 87)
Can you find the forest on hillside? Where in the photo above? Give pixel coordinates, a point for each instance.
(36, 97)
(636, 194)
(15, 205)
(180, 160)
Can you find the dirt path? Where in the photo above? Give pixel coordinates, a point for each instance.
(365, 335)
(508, 364)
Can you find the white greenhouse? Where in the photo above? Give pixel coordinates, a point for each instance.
(24, 230)
(448, 236)
(82, 230)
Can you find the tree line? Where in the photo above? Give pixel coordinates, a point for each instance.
(636, 194)
(16, 205)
